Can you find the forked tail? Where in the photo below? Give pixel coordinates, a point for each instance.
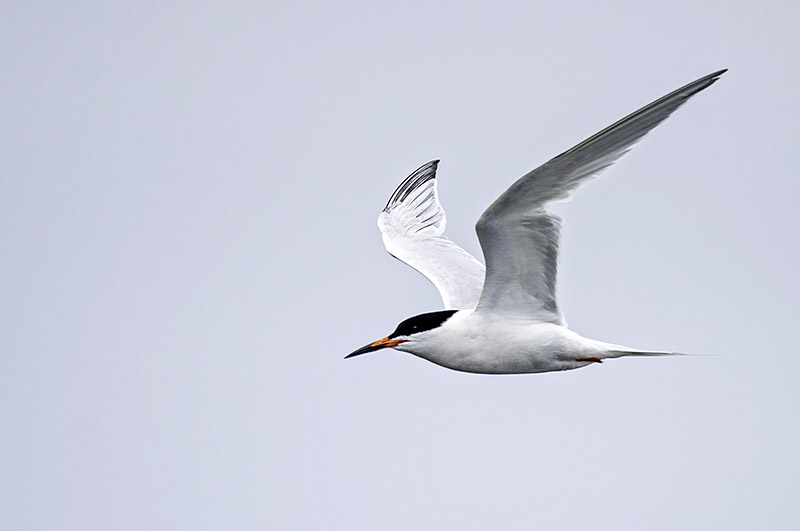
(622, 352)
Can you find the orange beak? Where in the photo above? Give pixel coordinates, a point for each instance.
(377, 345)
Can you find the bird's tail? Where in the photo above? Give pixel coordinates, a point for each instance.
(622, 352)
(610, 351)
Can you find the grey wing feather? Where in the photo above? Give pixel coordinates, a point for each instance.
(412, 226)
(520, 239)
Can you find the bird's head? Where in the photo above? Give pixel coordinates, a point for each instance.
(408, 332)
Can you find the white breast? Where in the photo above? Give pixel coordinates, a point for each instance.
(475, 342)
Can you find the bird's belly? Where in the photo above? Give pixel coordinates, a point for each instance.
(542, 348)
(517, 361)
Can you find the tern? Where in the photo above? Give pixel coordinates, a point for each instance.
(504, 318)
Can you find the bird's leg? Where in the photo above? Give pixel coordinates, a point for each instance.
(590, 360)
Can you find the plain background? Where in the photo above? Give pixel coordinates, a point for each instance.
(187, 227)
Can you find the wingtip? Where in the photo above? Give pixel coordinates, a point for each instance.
(708, 80)
(432, 165)
(417, 178)
(716, 75)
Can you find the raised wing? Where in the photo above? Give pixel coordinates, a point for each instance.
(412, 225)
(520, 239)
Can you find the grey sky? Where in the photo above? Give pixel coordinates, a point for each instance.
(188, 240)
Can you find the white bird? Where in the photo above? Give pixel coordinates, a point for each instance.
(506, 320)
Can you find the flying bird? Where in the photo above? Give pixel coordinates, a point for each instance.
(504, 318)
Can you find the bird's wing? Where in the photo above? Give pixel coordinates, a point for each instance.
(412, 225)
(520, 239)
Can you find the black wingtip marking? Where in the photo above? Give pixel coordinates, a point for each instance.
(418, 177)
(696, 86)
(710, 79)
